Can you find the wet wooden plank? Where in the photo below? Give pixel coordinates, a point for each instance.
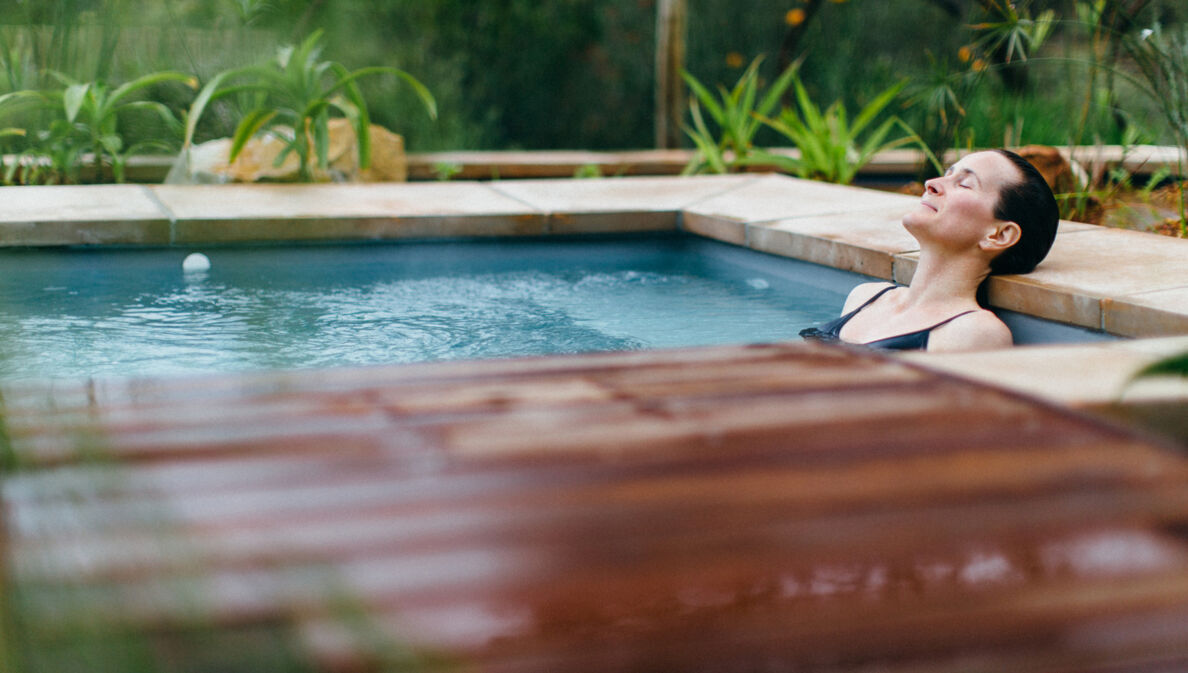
(791, 506)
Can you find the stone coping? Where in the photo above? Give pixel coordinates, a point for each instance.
(1124, 282)
(1057, 372)
(1095, 377)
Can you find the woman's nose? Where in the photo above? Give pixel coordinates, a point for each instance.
(932, 186)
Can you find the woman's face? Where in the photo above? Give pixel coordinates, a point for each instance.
(958, 207)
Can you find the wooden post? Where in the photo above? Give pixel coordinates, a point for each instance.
(671, 22)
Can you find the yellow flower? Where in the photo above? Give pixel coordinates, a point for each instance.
(964, 54)
(979, 65)
(794, 17)
(734, 59)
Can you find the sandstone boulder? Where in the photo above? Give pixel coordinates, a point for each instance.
(1062, 175)
(207, 162)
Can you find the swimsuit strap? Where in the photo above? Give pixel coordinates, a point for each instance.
(870, 301)
(949, 320)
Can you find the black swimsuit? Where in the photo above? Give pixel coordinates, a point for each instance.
(918, 340)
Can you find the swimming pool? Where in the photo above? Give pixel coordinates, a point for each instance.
(92, 313)
(134, 312)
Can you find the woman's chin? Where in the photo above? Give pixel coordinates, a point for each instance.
(913, 221)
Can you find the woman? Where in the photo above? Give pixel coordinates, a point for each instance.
(991, 212)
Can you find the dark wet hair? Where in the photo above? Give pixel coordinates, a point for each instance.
(1030, 204)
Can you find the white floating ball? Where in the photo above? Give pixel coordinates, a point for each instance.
(196, 262)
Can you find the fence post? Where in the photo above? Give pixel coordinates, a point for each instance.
(671, 26)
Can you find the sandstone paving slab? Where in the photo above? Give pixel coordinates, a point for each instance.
(616, 205)
(1158, 313)
(717, 227)
(1060, 372)
(611, 223)
(81, 215)
(776, 197)
(1060, 303)
(864, 242)
(620, 194)
(1090, 266)
(1115, 262)
(284, 212)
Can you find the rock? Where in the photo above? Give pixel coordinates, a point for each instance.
(913, 188)
(388, 161)
(1062, 175)
(207, 162)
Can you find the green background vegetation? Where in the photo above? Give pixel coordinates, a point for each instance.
(512, 74)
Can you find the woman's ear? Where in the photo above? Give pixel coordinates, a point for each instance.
(1004, 236)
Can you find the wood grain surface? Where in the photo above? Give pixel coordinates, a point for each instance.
(792, 507)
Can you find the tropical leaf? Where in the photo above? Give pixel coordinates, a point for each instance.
(161, 111)
(73, 99)
(709, 150)
(249, 126)
(204, 97)
(354, 108)
(781, 162)
(300, 88)
(734, 111)
(151, 79)
(832, 147)
(875, 107)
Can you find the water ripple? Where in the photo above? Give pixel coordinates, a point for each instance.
(139, 317)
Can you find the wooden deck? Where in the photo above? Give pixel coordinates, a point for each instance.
(787, 508)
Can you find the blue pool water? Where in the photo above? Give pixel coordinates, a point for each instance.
(120, 313)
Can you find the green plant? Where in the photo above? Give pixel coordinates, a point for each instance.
(1011, 32)
(1109, 23)
(829, 142)
(1161, 57)
(1123, 178)
(737, 117)
(588, 171)
(18, 69)
(84, 118)
(293, 96)
(1175, 365)
(251, 11)
(446, 170)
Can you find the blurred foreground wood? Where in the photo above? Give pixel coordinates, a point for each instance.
(788, 508)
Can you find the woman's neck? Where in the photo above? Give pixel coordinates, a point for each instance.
(946, 279)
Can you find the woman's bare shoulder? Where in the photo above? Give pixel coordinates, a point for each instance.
(980, 330)
(862, 293)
